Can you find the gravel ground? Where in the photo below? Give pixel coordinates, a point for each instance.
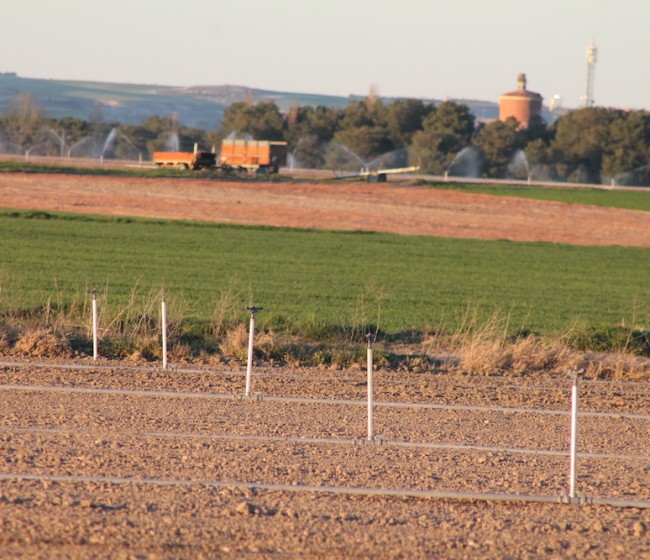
(118, 461)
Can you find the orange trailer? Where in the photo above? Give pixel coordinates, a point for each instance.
(256, 156)
(185, 160)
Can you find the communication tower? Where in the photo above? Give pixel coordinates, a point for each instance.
(592, 55)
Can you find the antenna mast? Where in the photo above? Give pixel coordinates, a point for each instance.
(592, 55)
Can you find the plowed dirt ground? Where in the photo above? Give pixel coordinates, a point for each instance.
(397, 207)
(127, 462)
(123, 462)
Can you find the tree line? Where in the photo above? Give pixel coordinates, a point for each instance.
(591, 145)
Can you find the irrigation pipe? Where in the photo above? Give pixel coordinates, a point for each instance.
(336, 490)
(309, 400)
(324, 441)
(587, 384)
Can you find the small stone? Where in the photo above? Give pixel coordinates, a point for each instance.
(96, 539)
(246, 508)
(639, 529)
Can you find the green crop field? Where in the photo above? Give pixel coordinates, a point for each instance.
(615, 198)
(308, 279)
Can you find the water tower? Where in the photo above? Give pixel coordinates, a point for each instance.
(520, 104)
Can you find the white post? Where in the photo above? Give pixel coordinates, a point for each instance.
(370, 422)
(251, 340)
(164, 329)
(95, 346)
(574, 436)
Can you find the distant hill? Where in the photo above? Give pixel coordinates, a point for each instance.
(197, 106)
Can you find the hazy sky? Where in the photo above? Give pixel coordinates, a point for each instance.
(471, 49)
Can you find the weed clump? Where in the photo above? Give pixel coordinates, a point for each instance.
(482, 345)
(42, 343)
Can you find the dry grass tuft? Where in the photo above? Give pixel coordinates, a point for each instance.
(180, 352)
(617, 365)
(42, 343)
(226, 310)
(8, 338)
(235, 342)
(271, 345)
(483, 346)
(522, 356)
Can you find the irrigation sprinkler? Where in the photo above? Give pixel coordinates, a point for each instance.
(163, 319)
(251, 339)
(574, 433)
(371, 434)
(93, 292)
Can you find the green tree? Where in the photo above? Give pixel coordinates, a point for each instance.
(453, 120)
(498, 141)
(582, 138)
(538, 129)
(262, 121)
(320, 122)
(627, 149)
(541, 160)
(361, 136)
(445, 132)
(361, 114)
(323, 122)
(403, 118)
(72, 129)
(308, 131)
(309, 152)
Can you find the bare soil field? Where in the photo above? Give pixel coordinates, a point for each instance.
(120, 461)
(397, 207)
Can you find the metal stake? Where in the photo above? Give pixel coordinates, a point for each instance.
(164, 329)
(574, 434)
(251, 339)
(371, 434)
(93, 292)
